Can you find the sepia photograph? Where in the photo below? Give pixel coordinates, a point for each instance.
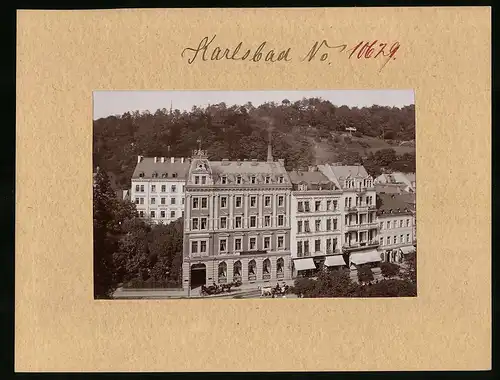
(254, 194)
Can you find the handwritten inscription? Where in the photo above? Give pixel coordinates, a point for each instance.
(208, 50)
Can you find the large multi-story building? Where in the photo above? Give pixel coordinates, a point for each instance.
(358, 205)
(316, 222)
(397, 225)
(158, 188)
(237, 221)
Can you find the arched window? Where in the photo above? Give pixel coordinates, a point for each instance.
(280, 265)
(252, 271)
(223, 272)
(266, 269)
(237, 271)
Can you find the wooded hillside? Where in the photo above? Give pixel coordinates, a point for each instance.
(306, 132)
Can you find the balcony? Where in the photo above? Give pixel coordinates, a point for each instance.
(352, 227)
(368, 226)
(356, 245)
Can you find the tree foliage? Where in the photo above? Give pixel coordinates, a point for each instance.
(238, 132)
(365, 274)
(389, 269)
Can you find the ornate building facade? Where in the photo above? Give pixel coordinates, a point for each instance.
(237, 221)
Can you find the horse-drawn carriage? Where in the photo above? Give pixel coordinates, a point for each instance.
(276, 291)
(218, 289)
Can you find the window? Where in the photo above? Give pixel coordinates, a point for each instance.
(153, 201)
(237, 244)
(183, 188)
(281, 220)
(388, 240)
(182, 200)
(136, 201)
(204, 202)
(267, 201)
(224, 180)
(253, 221)
(183, 213)
(328, 205)
(174, 175)
(317, 225)
(164, 175)
(162, 201)
(162, 214)
(142, 201)
(267, 221)
(194, 247)
(281, 242)
(252, 179)
(267, 242)
(172, 201)
(407, 238)
(317, 205)
(253, 201)
(142, 188)
(306, 247)
(306, 226)
(328, 224)
(195, 224)
(300, 207)
(299, 226)
(281, 201)
(306, 206)
(141, 174)
(328, 245)
(196, 180)
(163, 188)
(388, 224)
(172, 214)
(280, 179)
(238, 222)
(402, 239)
(141, 214)
(238, 201)
(334, 205)
(137, 187)
(334, 224)
(401, 223)
(238, 180)
(223, 222)
(203, 246)
(407, 222)
(195, 203)
(223, 202)
(153, 188)
(381, 241)
(174, 188)
(317, 245)
(299, 248)
(203, 180)
(153, 214)
(203, 224)
(381, 225)
(222, 245)
(268, 179)
(253, 243)
(395, 239)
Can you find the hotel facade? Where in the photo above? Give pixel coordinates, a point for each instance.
(237, 221)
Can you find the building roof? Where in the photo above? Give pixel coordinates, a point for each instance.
(308, 177)
(390, 188)
(148, 166)
(398, 177)
(337, 173)
(247, 167)
(393, 204)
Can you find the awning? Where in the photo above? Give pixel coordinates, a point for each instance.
(407, 250)
(371, 256)
(304, 264)
(334, 261)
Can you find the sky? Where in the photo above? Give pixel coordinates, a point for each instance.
(108, 103)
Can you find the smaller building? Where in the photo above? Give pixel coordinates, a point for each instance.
(407, 179)
(396, 227)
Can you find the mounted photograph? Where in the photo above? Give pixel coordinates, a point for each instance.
(254, 194)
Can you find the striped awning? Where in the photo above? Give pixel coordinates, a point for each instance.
(406, 250)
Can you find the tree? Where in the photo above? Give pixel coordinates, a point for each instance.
(365, 274)
(410, 267)
(388, 288)
(389, 269)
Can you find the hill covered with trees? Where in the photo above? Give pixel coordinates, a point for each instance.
(306, 132)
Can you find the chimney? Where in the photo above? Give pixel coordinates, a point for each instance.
(269, 148)
(172, 159)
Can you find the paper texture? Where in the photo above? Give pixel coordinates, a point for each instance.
(62, 56)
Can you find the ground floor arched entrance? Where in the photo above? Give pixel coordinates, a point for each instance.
(198, 275)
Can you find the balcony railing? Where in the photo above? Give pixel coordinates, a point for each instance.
(266, 276)
(354, 245)
(368, 225)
